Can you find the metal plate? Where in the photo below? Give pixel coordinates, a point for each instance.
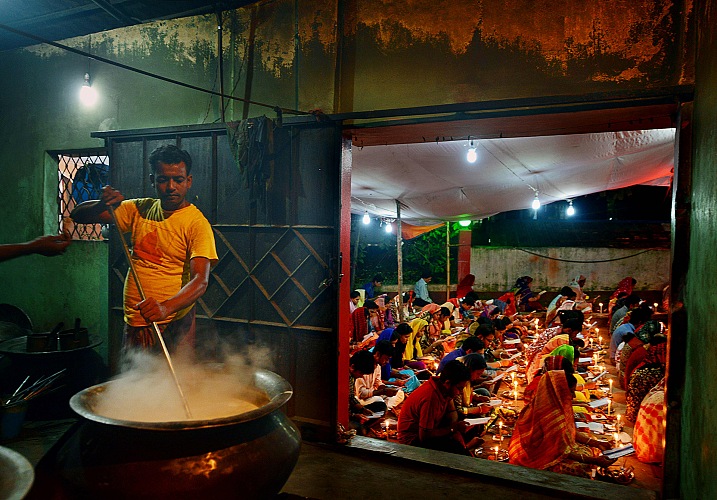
(16, 475)
(18, 346)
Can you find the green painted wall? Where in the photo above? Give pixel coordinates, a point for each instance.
(393, 54)
(699, 431)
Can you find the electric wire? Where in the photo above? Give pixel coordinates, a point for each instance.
(584, 261)
(147, 73)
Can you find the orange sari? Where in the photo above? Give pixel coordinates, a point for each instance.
(545, 432)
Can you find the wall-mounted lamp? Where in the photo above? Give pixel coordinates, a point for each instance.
(366, 219)
(88, 95)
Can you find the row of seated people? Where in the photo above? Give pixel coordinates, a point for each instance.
(433, 415)
(404, 358)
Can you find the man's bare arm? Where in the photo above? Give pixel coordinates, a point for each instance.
(96, 211)
(152, 310)
(44, 245)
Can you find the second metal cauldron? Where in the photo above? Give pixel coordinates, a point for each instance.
(250, 455)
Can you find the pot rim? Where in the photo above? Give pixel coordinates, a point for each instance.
(275, 386)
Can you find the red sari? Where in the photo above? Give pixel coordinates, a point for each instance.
(626, 286)
(359, 325)
(465, 286)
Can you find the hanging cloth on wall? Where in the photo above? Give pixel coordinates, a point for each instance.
(252, 145)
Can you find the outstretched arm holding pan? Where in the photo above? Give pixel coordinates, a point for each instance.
(96, 211)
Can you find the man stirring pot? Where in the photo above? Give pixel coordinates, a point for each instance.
(173, 250)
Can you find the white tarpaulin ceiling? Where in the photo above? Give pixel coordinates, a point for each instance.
(434, 182)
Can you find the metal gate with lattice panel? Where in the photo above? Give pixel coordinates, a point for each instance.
(275, 287)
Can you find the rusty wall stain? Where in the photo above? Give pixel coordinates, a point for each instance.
(559, 30)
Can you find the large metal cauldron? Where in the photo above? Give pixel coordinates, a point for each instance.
(250, 455)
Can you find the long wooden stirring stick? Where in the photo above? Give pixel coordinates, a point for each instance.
(154, 324)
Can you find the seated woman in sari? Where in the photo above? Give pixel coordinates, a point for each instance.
(465, 286)
(430, 339)
(508, 298)
(624, 288)
(649, 433)
(549, 364)
(645, 334)
(363, 322)
(565, 334)
(526, 300)
(395, 371)
(630, 343)
(566, 294)
(411, 350)
(646, 376)
(545, 437)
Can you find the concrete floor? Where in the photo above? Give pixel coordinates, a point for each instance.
(325, 473)
(367, 468)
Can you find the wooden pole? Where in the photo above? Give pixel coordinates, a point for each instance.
(399, 258)
(448, 260)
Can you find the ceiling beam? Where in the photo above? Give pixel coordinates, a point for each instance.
(115, 12)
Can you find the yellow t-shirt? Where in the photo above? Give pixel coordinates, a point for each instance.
(162, 247)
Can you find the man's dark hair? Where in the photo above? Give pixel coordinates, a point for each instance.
(169, 154)
(484, 329)
(354, 294)
(445, 312)
(455, 372)
(482, 320)
(377, 279)
(363, 362)
(575, 324)
(501, 323)
(577, 344)
(402, 329)
(471, 301)
(640, 314)
(370, 304)
(473, 295)
(566, 291)
(657, 339)
(473, 344)
(384, 348)
(474, 361)
(426, 273)
(632, 300)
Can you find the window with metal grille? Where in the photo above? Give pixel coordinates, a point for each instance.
(81, 174)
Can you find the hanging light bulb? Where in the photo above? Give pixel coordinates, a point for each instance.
(88, 95)
(366, 218)
(389, 227)
(570, 211)
(464, 223)
(536, 202)
(471, 156)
